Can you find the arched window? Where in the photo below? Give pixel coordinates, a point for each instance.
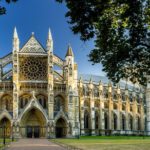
(96, 104)
(115, 106)
(106, 105)
(96, 92)
(138, 98)
(24, 100)
(86, 120)
(7, 103)
(106, 121)
(86, 103)
(123, 96)
(130, 97)
(123, 122)
(131, 122)
(42, 100)
(105, 92)
(114, 94)
(115, 121)
(96, 120)
(138, 123)
(123, 107)
(59, 103)
(131, 108)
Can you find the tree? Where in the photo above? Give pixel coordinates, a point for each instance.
(3, 9)
(121, 29)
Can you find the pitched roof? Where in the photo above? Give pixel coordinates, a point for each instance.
(69, 51)
(32, 46)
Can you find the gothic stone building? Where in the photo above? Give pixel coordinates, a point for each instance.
(37, 100)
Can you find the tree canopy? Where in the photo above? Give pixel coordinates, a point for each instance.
(3, 9)
(121, 29)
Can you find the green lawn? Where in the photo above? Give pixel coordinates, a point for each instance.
(7, 141)
(108, 143)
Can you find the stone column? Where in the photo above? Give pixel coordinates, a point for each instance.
(92, 117)
(148, 105)
(82, 116)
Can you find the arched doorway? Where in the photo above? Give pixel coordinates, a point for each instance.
(61, 128)
(33, 124)
(7, 124)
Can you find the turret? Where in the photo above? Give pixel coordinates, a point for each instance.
(69, 56)
(49, 44)
(16, 41)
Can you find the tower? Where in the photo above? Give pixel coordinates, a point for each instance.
(15, 58)
(71, 83)
(49, 47)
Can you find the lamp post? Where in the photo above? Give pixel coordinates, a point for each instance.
(4, 141)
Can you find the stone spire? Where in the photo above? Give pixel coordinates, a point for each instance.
(49, 44)
(69, 51)
(15, 34)
(16, 41)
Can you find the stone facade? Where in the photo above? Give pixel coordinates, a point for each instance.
(37, 100)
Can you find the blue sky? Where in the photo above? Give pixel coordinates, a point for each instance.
(37, 16)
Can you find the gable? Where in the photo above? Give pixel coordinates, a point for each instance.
(32, 46)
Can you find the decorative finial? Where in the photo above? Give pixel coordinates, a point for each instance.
(69, 51)
(49, 34)
(15, 33)
(32, 33)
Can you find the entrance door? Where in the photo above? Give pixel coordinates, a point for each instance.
(59, 132)
(61, 128)
(36, 131)
(29, 131)
(33, 131)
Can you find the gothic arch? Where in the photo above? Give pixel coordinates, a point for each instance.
(97, 118)
(43, 100)
(33, 104)
(7, 122)
(86, 120)
(123, 121)
(60, 114)
(115, 121)
(59, 103)
(130, 122)
(6, 102)
(106, 121)
(61, 127)
(5, 114)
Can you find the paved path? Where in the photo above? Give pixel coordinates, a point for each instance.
(34, 144)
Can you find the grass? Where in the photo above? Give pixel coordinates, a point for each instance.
(7, 142)
(108, 143)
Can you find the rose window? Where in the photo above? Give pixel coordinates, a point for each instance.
(33, 69)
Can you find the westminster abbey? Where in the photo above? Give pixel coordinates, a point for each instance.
(37, 100)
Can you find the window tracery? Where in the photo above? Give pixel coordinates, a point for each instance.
(33, 69)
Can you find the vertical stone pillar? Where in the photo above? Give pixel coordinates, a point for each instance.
(110, 103)
(92, 110)
(148, 105)
(15, 85)
(82, 116)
